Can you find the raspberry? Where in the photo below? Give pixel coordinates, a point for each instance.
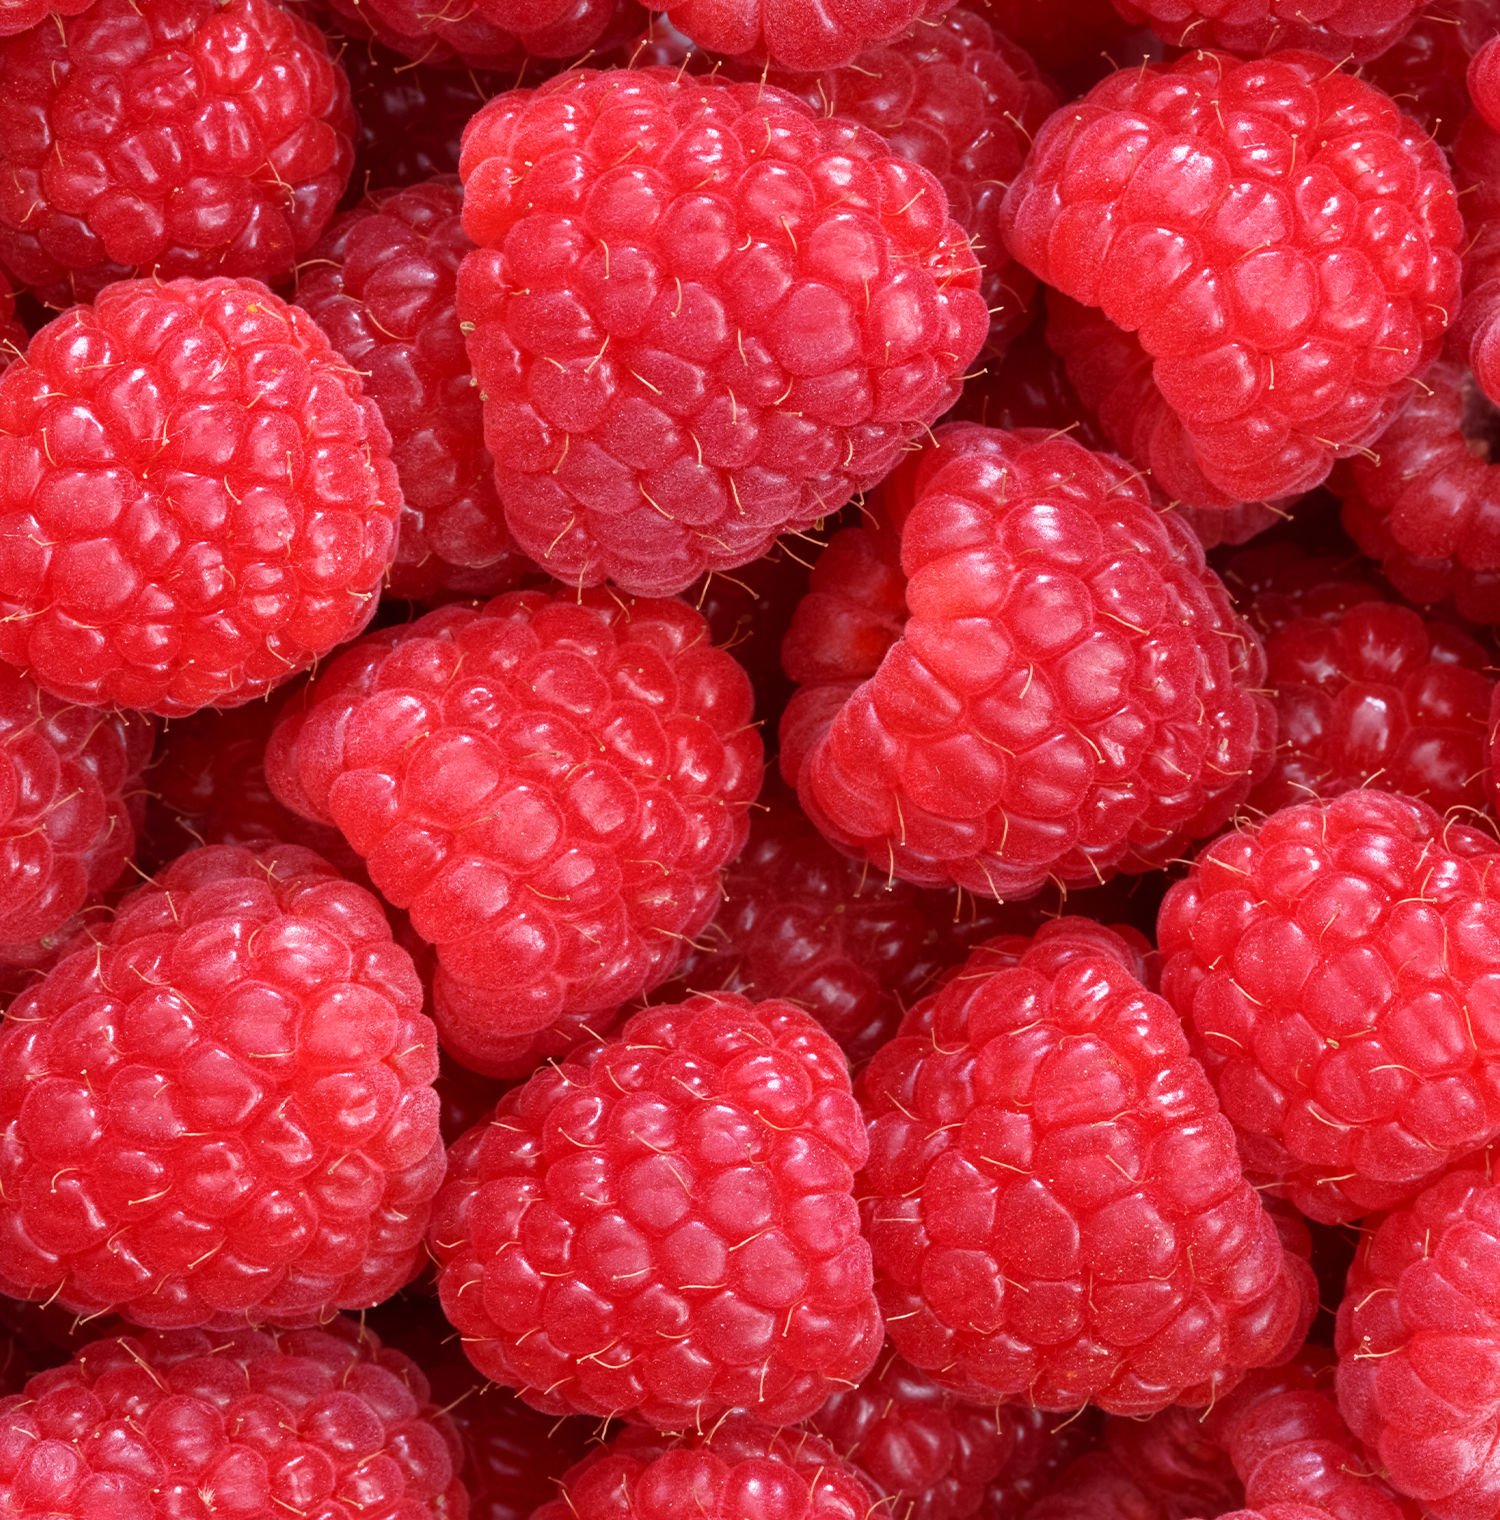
(1476, 334)
(1072, 693)
(1482, 76)
(550, 784)
(720, 340)
(196, 499)
(1069, 39)
(1346, 31)
(1243, 218)
(256, 1424)
(1425, 71)
(1029, 388)
(1053, 1201)
(22, 15)
(381, 283)
(71, 798)
(1172, 1457)
(221, 1110)
(740, 1468)
(185, 137)
(932, 1454)
(1045, 1447)
(1335, 963)
(1417, 1343)
(702, 1161)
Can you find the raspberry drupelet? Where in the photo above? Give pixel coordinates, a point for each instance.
(1334, 965)
(197, 500)
(252, 1424)
(722, 339)
(1341, 31)
(22, 15)
(1046, 1446)
(1072, 691)
(1281, 239)
(184, 137)
(221, 1110)
(1053, 1200)
(381, 284)
(664, 1226)
(549, 784)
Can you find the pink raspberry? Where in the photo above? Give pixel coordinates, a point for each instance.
(1418, 1340)
(1054, 1204)
(221, 1110)
(184, 137)
(1335, 964)
(1072, 692)
(196, 499)
(719, 340)
(701, 1161)
(250, 1424)
(549, 784)
(1244, 220)
(381, 284)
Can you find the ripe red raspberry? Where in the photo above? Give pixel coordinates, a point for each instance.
(1072, 692)
(1424, 72)
(1046, 1445)
(1054, 1204)
(740, 1468)
(1418, 1340)
(381, 283)
(1346, 31)
(196, 498)
(184, 137)
(664, 1225)
(1245, 220)
(250, 1424)
(718, 341)
(1482, 76)
(22, 15)
(221, 1110)
(1335, 963)
(932, 1454)
(549, 784)
(71, 803)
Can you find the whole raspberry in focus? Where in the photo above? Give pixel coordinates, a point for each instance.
(1071, 693)
(1054, 1205)
(221, 1110)
(722, 338)
(197, 500)
(322, 1422)
(550, 784)
(71, 806)
(1335, 964)
(1281, 239)
(664, 1224)
(380, 283)
(932, 1454)
(1418, 1338)
(184, 137)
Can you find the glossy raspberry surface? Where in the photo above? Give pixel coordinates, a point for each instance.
(381, 284)
(550, 785)
(1334, 965)
(1072, 691)
(185, 137)
(664, 1224)
(1044, 1156)
(722, 339)
(209, 567)
(1245, 220)
(221, 1110)
(322, 1422)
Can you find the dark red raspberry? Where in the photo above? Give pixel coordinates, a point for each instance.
(1054, 1204)
(196, 498)
(1046, 1445)
(381, 284)
(250, 1424)
(719, 340)
(933, 1455)
(1245, 220)
(549, 784)
(1072, 693)
(1482, 76)
(664, 1225)
(222, 1109)
(71, 803)
(1424, 72)
(1076, 42)
(739, 1468)
(1418, 1342)
(1476, 333)
(184, 137)
(1175, 1460)
(1335, 964)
